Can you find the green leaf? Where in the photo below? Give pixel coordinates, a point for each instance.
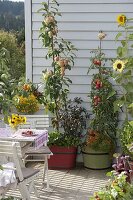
(41, 9)
(118, 104)
(123, 42)
(124, 51)
(129, 19)
(131, 105)
(109, 174)
(131, 123)
(128, 86)
(1, 168)
(112, 93)
(130, 37)
(129, 27)
(119, 51)
(118, 35)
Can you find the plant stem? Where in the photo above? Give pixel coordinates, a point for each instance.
(57, 116)
(48, 3)
(100, 46)
(126, 37)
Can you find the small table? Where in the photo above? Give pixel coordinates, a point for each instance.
(39, 138)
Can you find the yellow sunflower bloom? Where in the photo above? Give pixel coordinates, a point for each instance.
(14, 120)
(119, 65)
(121, 19)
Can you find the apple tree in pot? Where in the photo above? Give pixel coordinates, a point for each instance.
(56, 84)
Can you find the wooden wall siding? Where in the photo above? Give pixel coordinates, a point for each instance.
(80, 23)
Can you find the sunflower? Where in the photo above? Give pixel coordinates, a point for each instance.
(121, 19)
(119, 65)
(14, 120)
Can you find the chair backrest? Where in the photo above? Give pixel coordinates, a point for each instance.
(12, 150)
(36, 121)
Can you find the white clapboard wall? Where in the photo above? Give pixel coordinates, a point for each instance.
(80, 23)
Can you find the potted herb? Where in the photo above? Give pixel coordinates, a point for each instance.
(101, 136)
(73, 120)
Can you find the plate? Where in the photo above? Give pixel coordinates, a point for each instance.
(28, 134)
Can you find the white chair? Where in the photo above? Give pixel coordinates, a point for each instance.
(36, 121)
(25, 176)
(45, 154)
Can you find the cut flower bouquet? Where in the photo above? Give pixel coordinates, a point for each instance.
(15, 120)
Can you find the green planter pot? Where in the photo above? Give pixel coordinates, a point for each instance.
(95, 159)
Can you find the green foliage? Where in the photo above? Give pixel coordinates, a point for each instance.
(126, 137)
(7, 84)
(62, 54)
(59, 139)
(8, 198)
(11, 15)
(117, 188)
(124, 78)
(16, 61)
(123, 66)
(104, 121)
(73, 118)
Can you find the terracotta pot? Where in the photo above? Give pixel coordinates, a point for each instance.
(63, 157)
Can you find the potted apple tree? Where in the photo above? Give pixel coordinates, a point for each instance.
(56, 84)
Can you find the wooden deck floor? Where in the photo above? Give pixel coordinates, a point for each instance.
(77, 184)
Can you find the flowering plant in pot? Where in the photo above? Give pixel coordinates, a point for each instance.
(123, 69)
(73, 120)
(101, 136)
(28, 98)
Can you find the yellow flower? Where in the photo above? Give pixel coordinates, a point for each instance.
(121, 19)
(119, 65)
(14, 120)
(27, 104)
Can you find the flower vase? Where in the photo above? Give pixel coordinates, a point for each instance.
(9, 130)
(14, 130)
